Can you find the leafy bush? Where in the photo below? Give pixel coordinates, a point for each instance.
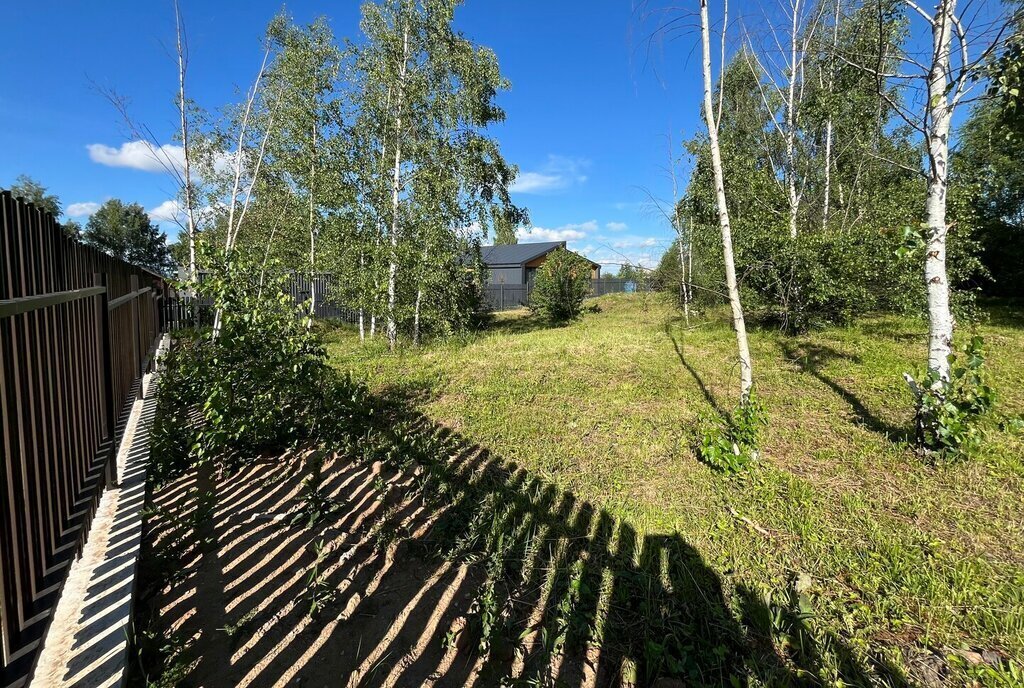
(562, 283)
(178, 397)
(259, 382)
(730, 445)
(948, 410)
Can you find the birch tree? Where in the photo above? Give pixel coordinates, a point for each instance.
(301, 83)
(941, 81)
(827, 84)
(187, 190)
(710, 119)
(178, 167)
(425, 95)
(786, 80)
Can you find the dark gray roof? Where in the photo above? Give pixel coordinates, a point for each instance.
(517, 254)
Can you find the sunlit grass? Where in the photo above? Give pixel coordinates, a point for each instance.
(901, 554)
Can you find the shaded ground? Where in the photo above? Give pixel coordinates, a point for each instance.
(454, 569)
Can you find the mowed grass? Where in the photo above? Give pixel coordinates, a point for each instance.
(903, 558)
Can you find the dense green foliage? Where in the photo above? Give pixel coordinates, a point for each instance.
(990, 179)
(561, 284)
(125, 231)
(369, 160)
(28, 189)
(259, 384)
(504, 225)
(845, 258)
(1006, 77)
(948, 410)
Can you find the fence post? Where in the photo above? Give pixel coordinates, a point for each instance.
(501, 296)
(107, 371)
(136, 335)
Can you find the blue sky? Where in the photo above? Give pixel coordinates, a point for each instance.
(592, 105)
(589, 112)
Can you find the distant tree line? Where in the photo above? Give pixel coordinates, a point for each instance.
(123, 230)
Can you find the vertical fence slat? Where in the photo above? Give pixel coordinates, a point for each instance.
(68, 370)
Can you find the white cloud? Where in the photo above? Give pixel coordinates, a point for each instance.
(557, 173)
(84, 209)
(537, 234)
(569, 232)
(635, 242)
(535, 182)
(616, 226)
(168, 211)
(138, 155)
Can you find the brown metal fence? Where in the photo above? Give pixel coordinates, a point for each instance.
(504, 297)
(182, 310)
(76, 331)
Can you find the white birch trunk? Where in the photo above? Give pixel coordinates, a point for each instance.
(362, 324)
(380, 219)
(312, 234)
(794, 198)
(416, 318)
(739, 325)
(940, 113)
(826, 205)
(233, 229)
(682, 284)
(186, 162)
(827, 201)
(689, 272)
(396, 187)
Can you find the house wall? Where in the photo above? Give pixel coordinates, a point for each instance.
(512, 275)
(525, 273)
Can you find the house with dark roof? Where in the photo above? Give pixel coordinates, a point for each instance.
(516, 264)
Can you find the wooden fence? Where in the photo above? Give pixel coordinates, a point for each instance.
(181, 310)
(76, 331)
(504, 297)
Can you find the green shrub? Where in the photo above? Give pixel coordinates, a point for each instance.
(948, 410)
(562, 283)
(731, 445)
(179, 394)
(257, 384)
(829, 277)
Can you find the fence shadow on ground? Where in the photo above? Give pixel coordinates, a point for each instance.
(442, 564)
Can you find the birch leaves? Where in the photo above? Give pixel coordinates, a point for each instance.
(425, 96)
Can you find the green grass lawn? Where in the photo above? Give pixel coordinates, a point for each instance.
(899, 561)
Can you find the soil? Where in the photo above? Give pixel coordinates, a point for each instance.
(240, 599)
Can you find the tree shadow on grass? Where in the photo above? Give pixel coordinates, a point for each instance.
(446, 565)
(515, 322)
(708, 396)
(1004, 312)
(812, 358)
